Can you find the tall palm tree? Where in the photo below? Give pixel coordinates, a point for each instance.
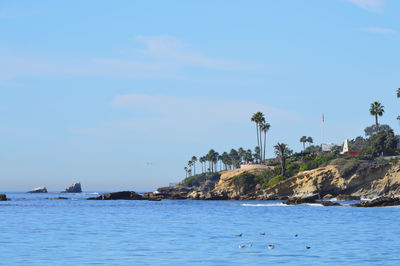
(264, 128)
(258, 118)
(194, 160)
(186, 170)
(211, 159)
(190, 164)
(282, 151)
(310, 141)
(376, 110)
(303, 139)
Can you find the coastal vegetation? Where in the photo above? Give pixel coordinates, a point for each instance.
(378, 145)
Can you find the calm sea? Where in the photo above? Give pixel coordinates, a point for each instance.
(39, 231)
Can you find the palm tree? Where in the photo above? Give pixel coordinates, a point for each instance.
(310, 140)
(264, 128)
(282, 151)
(194, 160)
(249, 156)
(258, 118)
(186, 170)
(190, 164)
(303, 139)
(242, 153)
(190, 172)
(398, 93)
(376, 110)
(211, 158)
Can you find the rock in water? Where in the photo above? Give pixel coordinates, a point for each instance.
(347, 197)
(3, 197)
(38, 190)
(379, 202)
(75, 188)
(123, 195)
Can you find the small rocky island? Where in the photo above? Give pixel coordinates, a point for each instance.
(74, 188)
(127, 195)
(38, 190)
(3, 197)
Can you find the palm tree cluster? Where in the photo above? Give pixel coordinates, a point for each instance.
(213, 161)
(262, 127)
(304, 140)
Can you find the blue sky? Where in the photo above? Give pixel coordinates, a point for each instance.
(120, 94)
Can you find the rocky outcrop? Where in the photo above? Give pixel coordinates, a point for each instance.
(347, 180)
(75, 188)
(347, 197)
(314, 199)
(379, 202)
(3, 197)
(216, 186)
(38, 190)
(122, 195)
(367, 180)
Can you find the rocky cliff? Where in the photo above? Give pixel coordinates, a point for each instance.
(366, 180)
(347, 179)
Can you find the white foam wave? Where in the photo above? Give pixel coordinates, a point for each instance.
(94, 193)
(314, 204)
(263, 205)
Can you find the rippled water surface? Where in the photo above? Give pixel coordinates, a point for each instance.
(39, 231)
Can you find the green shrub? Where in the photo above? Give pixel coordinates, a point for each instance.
(346, 166)
(200, 178)
(275, 180)
(244, 182)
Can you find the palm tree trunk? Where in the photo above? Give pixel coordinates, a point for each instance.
(376, 121)
(283, 165)
(261, 148)
(258, 141)
(194, 168)
(265, 142)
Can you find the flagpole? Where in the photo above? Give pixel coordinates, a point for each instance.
(322, 131)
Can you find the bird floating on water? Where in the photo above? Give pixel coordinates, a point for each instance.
(296, 235)
(271, 246)
(307, 247)
(241, 246)
(263, 233)
(239, 235)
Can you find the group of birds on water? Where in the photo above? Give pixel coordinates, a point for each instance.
(271, 246)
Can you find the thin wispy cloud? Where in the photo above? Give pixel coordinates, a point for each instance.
(369, 5)
(159, 56)
(171, 117)
(377, 30)
(177, 52)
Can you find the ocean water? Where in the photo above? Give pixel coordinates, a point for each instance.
(39, 231)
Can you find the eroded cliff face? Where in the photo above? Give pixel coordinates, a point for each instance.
(365, 180)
